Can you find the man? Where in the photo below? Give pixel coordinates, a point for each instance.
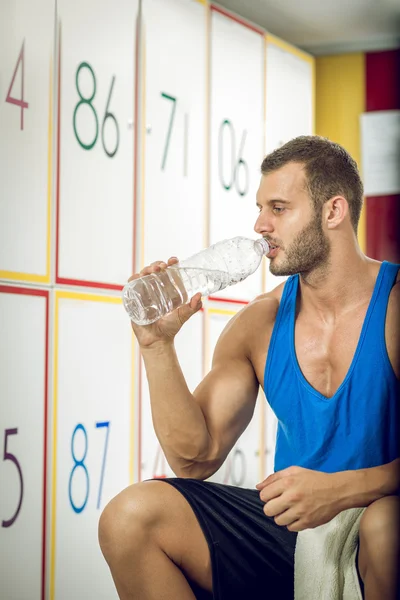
(325, 348)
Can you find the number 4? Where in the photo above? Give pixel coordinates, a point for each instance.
(19, 102)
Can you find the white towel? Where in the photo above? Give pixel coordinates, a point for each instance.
(325, 559)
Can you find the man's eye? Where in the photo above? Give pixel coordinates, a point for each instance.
(278, 209)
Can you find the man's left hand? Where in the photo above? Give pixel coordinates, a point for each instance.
(300, 498)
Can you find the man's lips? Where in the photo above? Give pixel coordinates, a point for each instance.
(273, 250)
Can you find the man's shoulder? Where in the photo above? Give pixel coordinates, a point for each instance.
(271, 299)
(263, 309)
(392, 326)
(394, 300)
(253, 323)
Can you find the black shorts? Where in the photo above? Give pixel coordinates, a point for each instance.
(251, 556)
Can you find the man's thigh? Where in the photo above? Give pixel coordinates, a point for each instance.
(178, 532)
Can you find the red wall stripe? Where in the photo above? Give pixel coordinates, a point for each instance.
(382, 80)
(383, 212)
(383, 218)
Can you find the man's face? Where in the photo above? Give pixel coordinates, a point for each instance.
(289, 221)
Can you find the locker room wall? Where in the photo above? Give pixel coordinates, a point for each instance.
(129, 134)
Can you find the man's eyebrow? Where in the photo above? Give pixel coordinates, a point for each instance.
(272, 201)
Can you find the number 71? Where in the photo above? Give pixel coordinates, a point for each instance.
(169, 133)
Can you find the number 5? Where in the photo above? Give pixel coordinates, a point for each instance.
(9, 456)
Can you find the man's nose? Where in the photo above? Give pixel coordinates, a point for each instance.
(263, 225)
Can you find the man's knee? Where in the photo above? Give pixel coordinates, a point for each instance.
(380, 519)
(379, 536)
(127, 520)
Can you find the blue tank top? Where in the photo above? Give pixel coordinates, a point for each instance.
(356, 428)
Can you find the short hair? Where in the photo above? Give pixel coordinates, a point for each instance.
(329, 168)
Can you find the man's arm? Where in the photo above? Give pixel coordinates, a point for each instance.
(301, 498)
(361, 487)
(197, 431)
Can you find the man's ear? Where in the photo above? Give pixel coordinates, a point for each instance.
(335, 211)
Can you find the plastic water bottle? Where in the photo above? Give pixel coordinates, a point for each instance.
(150, 297)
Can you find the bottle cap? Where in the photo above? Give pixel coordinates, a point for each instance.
(263, 245)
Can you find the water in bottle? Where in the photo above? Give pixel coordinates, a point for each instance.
(225, 263)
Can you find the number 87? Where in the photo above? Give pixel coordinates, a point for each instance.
(81, 463)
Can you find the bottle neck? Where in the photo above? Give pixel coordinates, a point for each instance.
(262, 246)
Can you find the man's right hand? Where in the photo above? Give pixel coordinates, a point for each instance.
(165, 329)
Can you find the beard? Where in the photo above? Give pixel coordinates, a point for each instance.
(309, 250)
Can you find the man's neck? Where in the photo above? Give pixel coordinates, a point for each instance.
(339, 286)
